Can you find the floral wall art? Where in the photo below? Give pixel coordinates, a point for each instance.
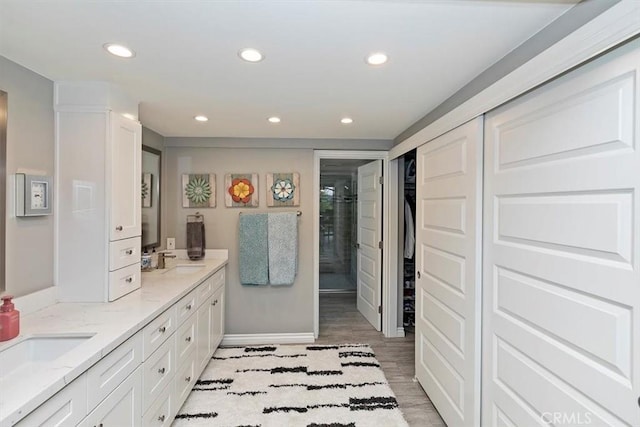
(199, 190)
(241, 190)
(283, 189)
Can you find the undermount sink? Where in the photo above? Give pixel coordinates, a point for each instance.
(185, 268)
(37, 350)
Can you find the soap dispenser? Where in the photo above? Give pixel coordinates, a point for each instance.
(9, 319)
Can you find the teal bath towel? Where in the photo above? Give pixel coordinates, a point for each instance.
(283, 248)
(254, 261)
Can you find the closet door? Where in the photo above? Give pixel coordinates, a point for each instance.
(561, 319)
(448, 262)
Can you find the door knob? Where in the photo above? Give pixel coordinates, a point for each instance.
(119, 228)
(357, 245)
(161, 371)
(418, 274)
(130, 251)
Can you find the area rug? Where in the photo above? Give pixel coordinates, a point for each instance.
(292, 385)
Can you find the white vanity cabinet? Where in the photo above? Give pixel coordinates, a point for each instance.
(210, 318)
(98, 198)
(145, 380)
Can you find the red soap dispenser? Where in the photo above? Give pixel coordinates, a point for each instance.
(9, 319)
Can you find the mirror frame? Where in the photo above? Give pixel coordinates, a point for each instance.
(155, 196)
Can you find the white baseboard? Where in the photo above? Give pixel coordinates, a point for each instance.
(400, 333)
(256, 339)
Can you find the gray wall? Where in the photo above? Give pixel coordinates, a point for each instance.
(30, 147)
(152, 139)
(250, 309)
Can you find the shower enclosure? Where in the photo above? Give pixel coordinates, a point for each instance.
(338, 232)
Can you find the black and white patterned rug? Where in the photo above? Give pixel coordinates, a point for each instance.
(292, 385)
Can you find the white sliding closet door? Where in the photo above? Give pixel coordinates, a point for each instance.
(561, 320)
(448, 262)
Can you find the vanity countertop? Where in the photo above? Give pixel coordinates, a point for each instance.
(112, 323)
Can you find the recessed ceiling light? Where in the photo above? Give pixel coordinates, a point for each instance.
(201, 118)
(377, 58)
(274, 119)
(119, 50)
(250, 55)
(346, 120)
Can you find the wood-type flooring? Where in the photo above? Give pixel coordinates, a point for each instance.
(340, 322)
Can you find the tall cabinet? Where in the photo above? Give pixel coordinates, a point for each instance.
(98, 181)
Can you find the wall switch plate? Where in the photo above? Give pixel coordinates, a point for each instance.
(171, 243)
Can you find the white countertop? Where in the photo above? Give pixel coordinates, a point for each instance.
(113, 323)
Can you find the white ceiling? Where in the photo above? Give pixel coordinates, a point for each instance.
(314, 72)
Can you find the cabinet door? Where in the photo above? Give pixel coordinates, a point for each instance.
(125, 171)
(217, 318)
(123, 407)
(203, 346)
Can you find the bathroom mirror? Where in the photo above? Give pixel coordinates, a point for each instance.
(150, 197)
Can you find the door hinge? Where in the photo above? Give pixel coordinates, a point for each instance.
(381, 179)
(379, 309)
(380, 244)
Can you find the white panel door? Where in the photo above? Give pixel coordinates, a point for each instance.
(561, 325)
(126, 178)
(448, 276)
(369, 238)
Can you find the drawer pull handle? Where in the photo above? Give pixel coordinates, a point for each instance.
(161, 418)
(188, 339)
(128, 280)
(189, 307)
(129, 251)
(187, 379)
(161, 371)
(162, 329)
(119, 228)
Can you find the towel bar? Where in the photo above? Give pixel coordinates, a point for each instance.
(299, 213)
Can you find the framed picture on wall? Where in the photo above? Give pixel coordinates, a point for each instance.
(147, 185)
(199, 190)
(241, 190)
(283, 189)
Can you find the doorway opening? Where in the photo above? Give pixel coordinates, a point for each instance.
(351, 234)
(338, 224)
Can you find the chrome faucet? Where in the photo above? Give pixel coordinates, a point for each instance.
(161, 258)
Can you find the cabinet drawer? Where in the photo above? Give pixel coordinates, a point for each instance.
(157, 331)
(204, 290)
(65, 408)
(186, 339)
(186, 306)
(161, 411)
(185, 379)
(123, 281)
(123, 253)
(111, 370)
(218, 279)
(158, 371)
